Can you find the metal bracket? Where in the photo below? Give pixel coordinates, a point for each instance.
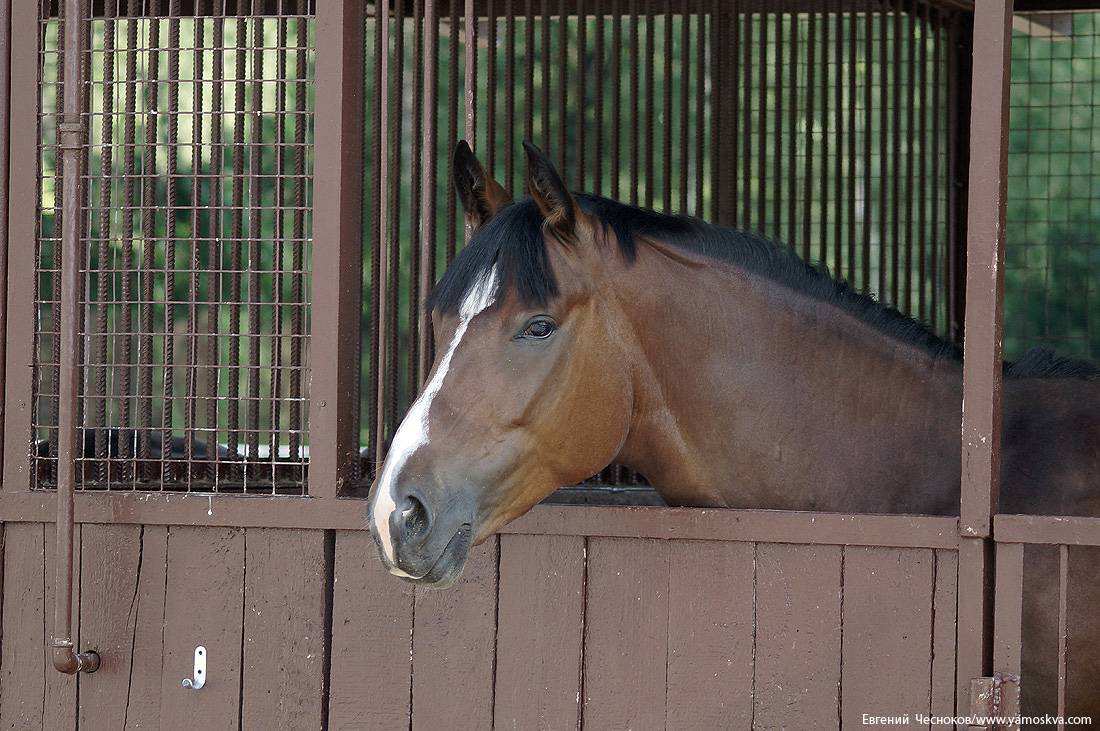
(200, 670)
(990, 696)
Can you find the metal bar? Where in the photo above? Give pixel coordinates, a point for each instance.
(469, 26)
(794, 111)
(235, 235)
(747, 120)
(277, 257)
(851, 171)
(826, 40)
(254, 148)
(719, 105)
(509, 93)
(635, 170)
(808, 174)
(666, 82)
(762, 134)
(414, 376)
(922, 181)
(934, 232)
(960, 75)
(685, 101)
(337, 259)
(883, 156)
(700, 111)
(600, 81)
(778, 200)
(545, 54)
(650, 174)
(172, 120)
(428, 201)
(297, 296)
(838, 113)
(581, 102)
(19, 71)
(451, 238)
(895, 151)
(490, 85)
(386, 264)
(910, 104)
(70, 139)
(195, 260)
(529, 79)
(563, 86)
(379, 103)
(5, 137)
(214, 251)
(616, 95)
(868, 122)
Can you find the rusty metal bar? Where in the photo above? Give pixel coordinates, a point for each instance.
(794, 112)
(616, 94)
(563, 86)
(214, 249)
(922, 184)
(700, 112)
(826, 40)
(70, 143)
(452, 129)
(598, 73)
(762, 136)
(277, 257)
(427, 204)
(195, 261)
(172, 119)
(635, 170)
(509, 92)
(910, 104)
(101, 337)
(236, 236)
(808, 174)
(685, 102)
(337, 260)
(413, 376)
(386, 263)
(580, 103)
(379, 103)
(838, 121)
(884, 96)
(746, 110)
(649, 174)
(981, 417)
(778, 201)
(666, 83)
(934, 233)
(868, 120)
(255, 146)
(851, 171)
(529, 79)
(545, 54)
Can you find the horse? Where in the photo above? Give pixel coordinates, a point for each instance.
(574, 331)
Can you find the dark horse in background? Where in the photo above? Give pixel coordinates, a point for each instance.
(574, 331)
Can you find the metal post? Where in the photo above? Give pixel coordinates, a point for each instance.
(981, 417)
(70, 137)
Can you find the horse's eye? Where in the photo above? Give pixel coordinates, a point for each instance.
(539, 329)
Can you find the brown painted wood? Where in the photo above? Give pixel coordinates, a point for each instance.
(710, 635)
(539, 638)
(454, 643)
(1008, 619)
(59, 706)
(1057, 530)
(626, 633)
(775, 526)
(111, 562)
(887, 618)
(284, 628)
(146, 615)
(23, 662)
(203, 606)
(942, 672)
(371, 672)
(797, 636)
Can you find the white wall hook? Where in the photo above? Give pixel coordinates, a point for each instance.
(200, 670)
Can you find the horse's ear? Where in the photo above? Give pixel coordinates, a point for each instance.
(481, 196)
(549, 192)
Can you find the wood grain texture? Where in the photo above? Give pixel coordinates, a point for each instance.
(454, 645)
(797, 680)
(22, 666)
(626, 633)
(887, 617)
(59, 706)
(146, 614)
(710, 631)
(942, 680)
(539, 637)
(372, 614)
(284, 629)
(111, 564)
(203, 606)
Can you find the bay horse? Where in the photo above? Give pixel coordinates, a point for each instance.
(574, 331)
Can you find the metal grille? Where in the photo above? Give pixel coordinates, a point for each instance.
(835, 130)
(1052, 253)
(196, 224)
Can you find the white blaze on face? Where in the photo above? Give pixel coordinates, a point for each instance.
(412, 434)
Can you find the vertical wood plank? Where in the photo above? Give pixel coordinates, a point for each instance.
(454, 645)
(203, 606)
(626, 633)
(540, 632)
(371, 669)
(710, 629)
(942, 698)
(22, 666)
(887, 620)
(797, 636)
(284, 628)
(59, 705)
(146, 613)
(1008, 619)
(110, 568)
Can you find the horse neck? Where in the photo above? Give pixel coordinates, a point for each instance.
(749, 394)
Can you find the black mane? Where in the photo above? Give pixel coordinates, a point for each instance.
(513, 241)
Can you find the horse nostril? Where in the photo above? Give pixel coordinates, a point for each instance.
(414, 518)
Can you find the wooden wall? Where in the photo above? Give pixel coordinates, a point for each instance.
(543, 630)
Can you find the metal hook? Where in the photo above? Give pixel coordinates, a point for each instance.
(200, 670)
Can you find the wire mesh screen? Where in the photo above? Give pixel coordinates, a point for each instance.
(1052, 254)
(832, 129)
(196, 223)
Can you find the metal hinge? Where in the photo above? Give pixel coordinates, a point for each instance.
(998, 695)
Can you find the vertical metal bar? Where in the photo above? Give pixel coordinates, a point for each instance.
(959, 76)
(808, 174)
(720, 106)
(895, 151)
(469, 26)
(635, 170)
(826, 38)
(255, 150)
(430, 60)
(452, 125)
(851, 144)
(382, 346)
(214, 248)
(529, 79)
(763, 137)
(666, 127)
(685, 100)
(236, 236)
(545, 54)
(794, 112)
(838, 113)
(172, 167)
(563, 86)
(936, 111)
(981, 420)
(747, 118)
(599, 76)
(278, 254)
(70, 139)
(868, 120)
(379, 104)
(416, 143)
(337, 262)
(922, 184)
(148, 235)
(393, 237)
(1063, 631)
(650, 94)
(910, 104)
(778, 200)
(616, 95)
(195, 260)
(491, 88)
(884, 97)
(509, 93)
(700, 111)
(581, 102)
(99, 413)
